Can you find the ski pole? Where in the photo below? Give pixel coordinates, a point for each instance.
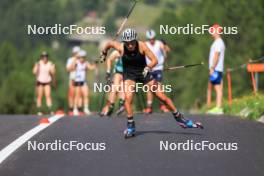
(183, 66)
(102, 58)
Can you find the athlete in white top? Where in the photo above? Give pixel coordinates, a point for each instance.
(158, 49)
(216, 68)
(44, 70)
(218, 46)
(80, 67)
(80, 72)
(75, 51)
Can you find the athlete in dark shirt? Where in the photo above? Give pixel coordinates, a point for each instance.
(136, 70)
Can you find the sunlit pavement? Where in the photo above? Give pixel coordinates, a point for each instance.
(140, 155)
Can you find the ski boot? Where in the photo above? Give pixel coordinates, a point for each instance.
(186, 123)
(130, 131)
(111, 109)
(107, 110)
(164, 109)
(147, 110)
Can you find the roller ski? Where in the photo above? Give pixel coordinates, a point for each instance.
(186, 123)
(121, 108)
(107, 110)
(130, 131)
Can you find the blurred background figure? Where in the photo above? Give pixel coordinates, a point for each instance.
(44, 70)
(80, 65)
(166, 47)
(75, 51)
(160, 51)
(116, 83)
(169, 19)
(216, 68)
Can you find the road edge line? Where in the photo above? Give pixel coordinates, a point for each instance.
(13, 146)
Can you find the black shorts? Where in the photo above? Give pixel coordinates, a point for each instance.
(218, 79)
(138, 78)
(79, 84)
(42, 84)
(157, 75)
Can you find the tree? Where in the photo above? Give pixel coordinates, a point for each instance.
(246, 15)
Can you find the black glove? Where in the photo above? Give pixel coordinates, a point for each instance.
(108, 76)
(103, 56)
(146, 71)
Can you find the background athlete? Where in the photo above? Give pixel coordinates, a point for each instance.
(75, 51)
(117, 84)
(216, 68)
(80, 66)
(160, 51)
(44, 70)
(136, 70)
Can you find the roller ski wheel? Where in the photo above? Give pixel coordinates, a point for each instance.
(190, 124)
(199, 125)
(104, 114)
(107, 111)
(183, 125)
(130, 130)
(101, 114)
(129, 133)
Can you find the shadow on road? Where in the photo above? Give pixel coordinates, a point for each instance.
(139, 133)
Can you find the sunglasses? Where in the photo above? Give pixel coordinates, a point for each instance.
(44, 56)
(133, 42)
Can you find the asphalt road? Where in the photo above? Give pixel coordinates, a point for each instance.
(140, 155)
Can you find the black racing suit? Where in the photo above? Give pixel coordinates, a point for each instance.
(133, 65)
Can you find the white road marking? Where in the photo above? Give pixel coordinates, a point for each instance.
(12, 147)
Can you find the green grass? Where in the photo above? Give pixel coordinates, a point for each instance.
(252, 104)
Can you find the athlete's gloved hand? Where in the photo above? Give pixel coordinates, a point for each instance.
(146, 71)
(103, 55)
(108, 76)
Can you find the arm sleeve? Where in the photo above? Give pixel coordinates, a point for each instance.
(218, 46)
